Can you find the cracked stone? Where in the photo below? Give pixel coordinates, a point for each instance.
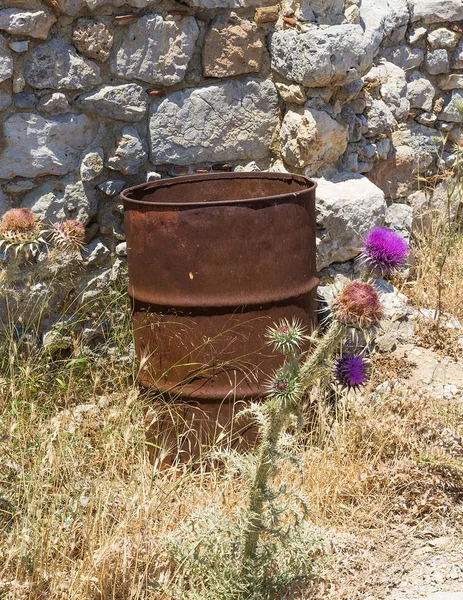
(333, 56)
(35, 145)
(348, 206)
(233, 120)
(156, 50)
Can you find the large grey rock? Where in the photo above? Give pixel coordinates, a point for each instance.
(6, 60)
(450, 112)
(442, 38)
(311, 138)
(435, 11)
(405, 57)
(130, 153)
(35, 145)
(348, 206)
(126, 102)
(333, 56)
(156, 50)
(420, 91)
(68, 198)
(379, 117)
(34, 23)
(232, 46)
(437, 61)
(392, 83)
(413, 151)
(399, 217)
(57, 65)
(234, 120)
(382, 18)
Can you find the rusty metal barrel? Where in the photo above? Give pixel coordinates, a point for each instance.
(213, 261)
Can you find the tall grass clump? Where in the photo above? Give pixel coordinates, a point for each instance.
(438, 238)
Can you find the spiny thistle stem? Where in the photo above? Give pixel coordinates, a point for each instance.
(278, 412)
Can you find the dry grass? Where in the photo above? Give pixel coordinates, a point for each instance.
(84, 514)
(438, 239)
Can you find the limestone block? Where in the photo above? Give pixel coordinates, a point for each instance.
(437, 61)
(35, 145)
(333, 56)
(442, 38)
(57, 65)
(435, 11)
(68, 198)
(348, 206)
(233, 120)
(311, 138)
(405, 57)
(126, 102)
(93, 38)
(33, 23)
(92, 164)
(379, 117)
(130, 153)
(156, 50)
(232, 46)
(420, 91)
(450, 112)
(6, 60)
(266, 14)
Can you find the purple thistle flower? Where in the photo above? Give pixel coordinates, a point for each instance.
(350, 371)
(384, 250)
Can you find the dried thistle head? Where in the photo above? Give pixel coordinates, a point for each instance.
(68, 235)
(358, 305)
(286, 337)
(21, 229)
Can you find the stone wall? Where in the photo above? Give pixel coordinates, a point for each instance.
(96, 95)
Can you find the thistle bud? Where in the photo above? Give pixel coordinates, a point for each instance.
(286, 337)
